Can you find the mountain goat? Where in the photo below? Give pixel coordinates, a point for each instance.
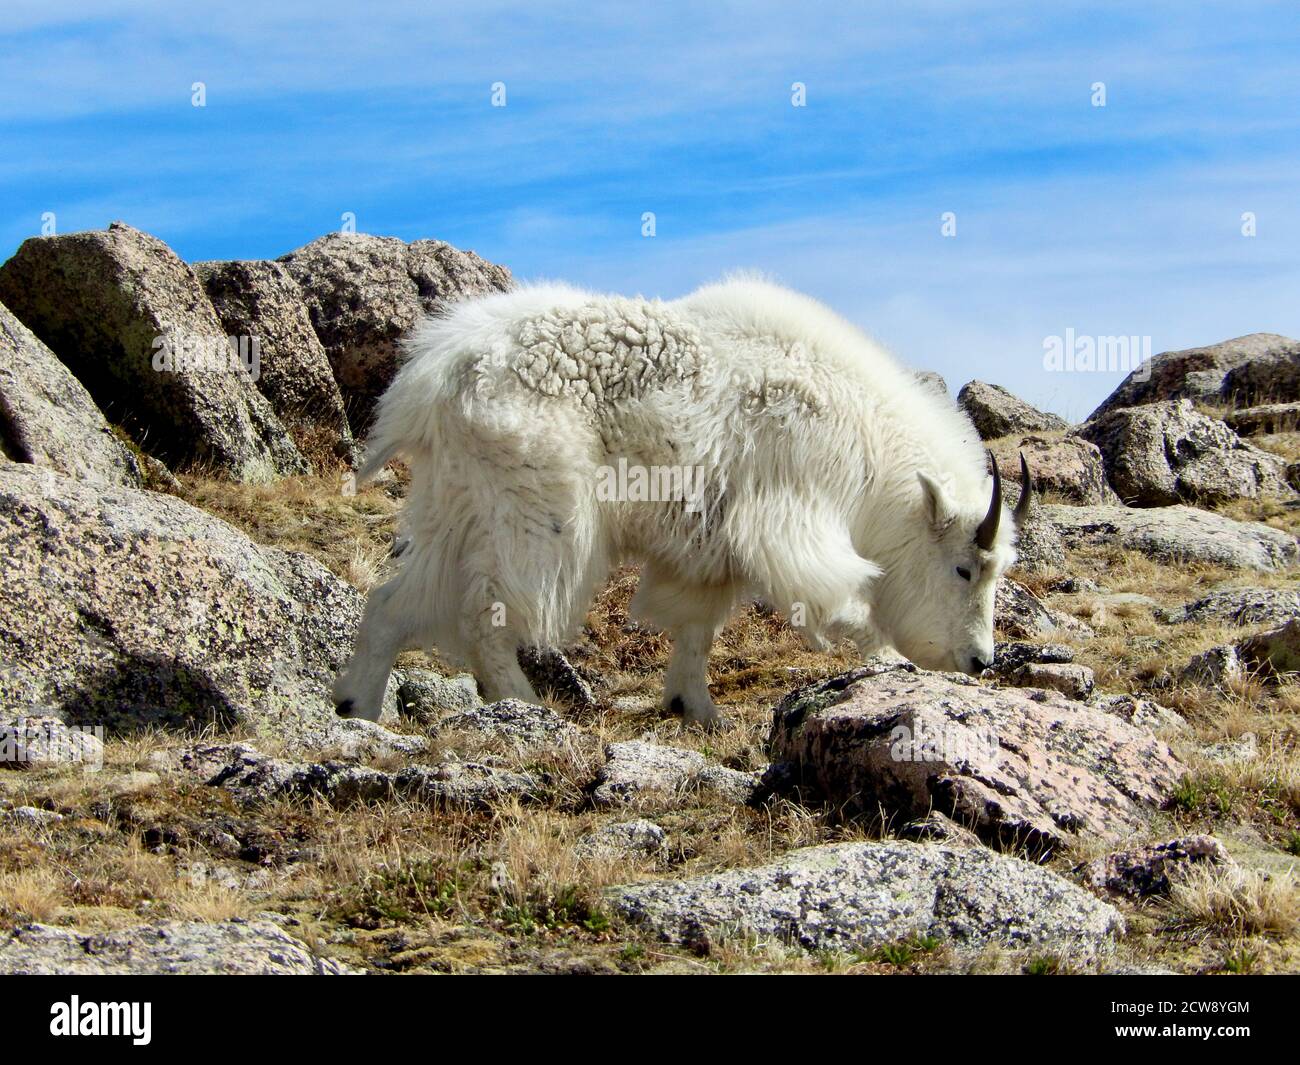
(741, 440)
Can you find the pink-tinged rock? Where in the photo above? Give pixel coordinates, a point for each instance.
(1145, 871)
(1022, 768)
(1067, 467)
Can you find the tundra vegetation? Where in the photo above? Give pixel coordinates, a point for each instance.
(172, 593)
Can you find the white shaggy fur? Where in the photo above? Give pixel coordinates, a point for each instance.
(835, 486)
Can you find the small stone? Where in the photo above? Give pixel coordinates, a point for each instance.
(1145, 871)
(1245, 748)
(426, 697)
(1273, 653)
(1073, 680)
(1217, 666)
(41, 741)
(31, 815)
(639, 839)
(1008, 657)
(636, 769)
(523, 726)
(551, 673)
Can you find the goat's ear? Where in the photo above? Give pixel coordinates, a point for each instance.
(938, 510)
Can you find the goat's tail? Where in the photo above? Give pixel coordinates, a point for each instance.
(377, 455)
(408, 413)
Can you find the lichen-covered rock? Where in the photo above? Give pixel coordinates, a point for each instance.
(1197, 373)
(996, 412)
(1273, 652)
(861, 896)
(1018, 613)
(1214, 667)
(31, 816)
(1165, 453)
(428, 697)
(525, 727)
(48, 418)
(134, 325)
(932, 380)
(935, 828)
(1029, 665)
(254, 777)
(1242, 606)
(1008, 657)
(1070, 679)
(1270, 378)
(1243, 749)
(551, 673)
(364, 292)
(639, 839)
(1038, 544)
(1176, 534)
(189, 948)
(1021, 768)
(1068, 467)
(260, 300)
(130, 609)
(636, 770)
(1263, 420)
(1143, 872)
(1267, 655)
(1144, 713)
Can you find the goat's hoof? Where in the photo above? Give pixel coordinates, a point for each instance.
(343, 709)
(696, 712)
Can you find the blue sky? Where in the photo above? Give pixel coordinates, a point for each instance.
(1115, 220)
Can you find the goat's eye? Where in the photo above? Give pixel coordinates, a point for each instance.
(963, 573)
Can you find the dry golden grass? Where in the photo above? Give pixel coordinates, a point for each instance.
(1234, 901)
(350, 534)
(30, 895)
(1287, 445)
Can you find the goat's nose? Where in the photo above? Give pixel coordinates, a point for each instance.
(978, 665)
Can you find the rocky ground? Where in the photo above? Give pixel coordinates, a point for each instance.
(184, 565)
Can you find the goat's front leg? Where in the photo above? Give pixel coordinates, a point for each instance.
(387, 627)
(692, 613)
